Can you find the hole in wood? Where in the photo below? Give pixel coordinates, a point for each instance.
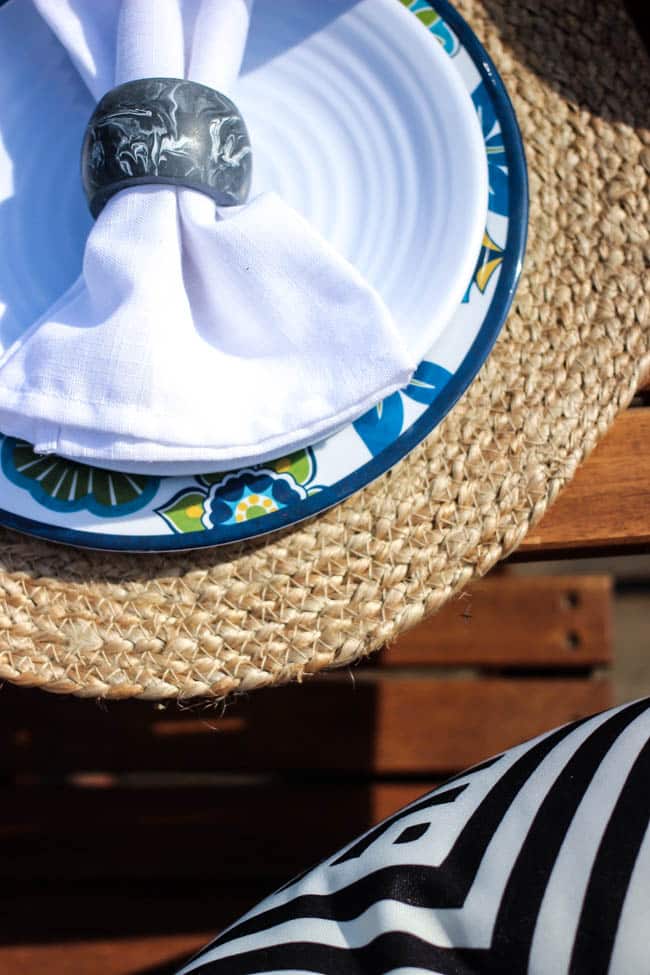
(571, 599)
(197, 726)
(573, 640)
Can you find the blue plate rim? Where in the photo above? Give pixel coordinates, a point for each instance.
(380, 464)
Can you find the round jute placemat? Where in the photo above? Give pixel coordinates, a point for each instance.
(337, 587)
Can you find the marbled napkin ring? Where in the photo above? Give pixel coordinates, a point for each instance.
(166, 130)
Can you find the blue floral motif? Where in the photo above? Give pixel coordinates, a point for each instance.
(382, 425)
(239, 496)
(65, 485)
(250, 494)
(428, 381)
(495, 149)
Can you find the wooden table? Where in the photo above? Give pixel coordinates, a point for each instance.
(130, 832)
(606, 508)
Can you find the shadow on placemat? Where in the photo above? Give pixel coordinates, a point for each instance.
(591, 53)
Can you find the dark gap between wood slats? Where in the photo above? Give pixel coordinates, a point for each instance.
(80, 912)
(381, 724)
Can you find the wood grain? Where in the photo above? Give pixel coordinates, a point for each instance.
(457, 723)
(162, 955)
(607, 504)
(509, 621)
(381, 723)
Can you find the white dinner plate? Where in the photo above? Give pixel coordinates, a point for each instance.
(368, 101)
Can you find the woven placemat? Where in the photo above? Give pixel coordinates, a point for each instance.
(337, 587)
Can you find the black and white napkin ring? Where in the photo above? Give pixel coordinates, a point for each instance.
(166, 130)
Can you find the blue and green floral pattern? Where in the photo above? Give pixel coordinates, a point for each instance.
(64, 485)
(241, 496)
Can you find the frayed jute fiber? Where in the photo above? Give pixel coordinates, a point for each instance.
(324, 594)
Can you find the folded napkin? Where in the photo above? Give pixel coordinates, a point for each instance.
(196, 336)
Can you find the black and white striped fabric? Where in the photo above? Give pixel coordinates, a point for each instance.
(537, 861)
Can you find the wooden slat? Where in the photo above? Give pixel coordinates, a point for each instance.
(162, 955)
(40, 914)
(244, 834)
(456, 723)
(512, 621)
(381, 723)
(607, 504)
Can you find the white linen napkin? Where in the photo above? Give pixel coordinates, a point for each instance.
(196, 337)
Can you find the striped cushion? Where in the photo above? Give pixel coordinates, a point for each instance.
(535, 861)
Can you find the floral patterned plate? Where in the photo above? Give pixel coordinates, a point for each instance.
(69, 502)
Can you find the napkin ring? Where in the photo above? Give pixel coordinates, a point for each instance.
(166, 130)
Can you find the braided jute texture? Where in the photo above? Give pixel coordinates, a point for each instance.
(324, 594)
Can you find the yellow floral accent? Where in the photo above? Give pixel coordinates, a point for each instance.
(487, 268)
(254, 507)
(490, 244)
(484, 273)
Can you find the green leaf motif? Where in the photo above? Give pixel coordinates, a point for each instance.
(184, 513)
(428, 17)
(65, 485)
(300, 465)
